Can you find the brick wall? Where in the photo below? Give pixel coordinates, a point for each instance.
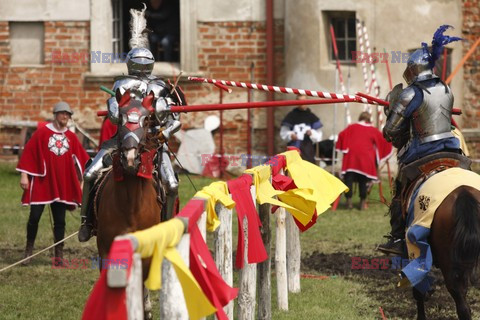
(29, 93)
(471, 73)
(226, 51)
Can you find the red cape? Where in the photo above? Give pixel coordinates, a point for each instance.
(363, 148)
(51, 158)
(107, 131)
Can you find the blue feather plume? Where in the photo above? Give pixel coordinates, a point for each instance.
(439, 41)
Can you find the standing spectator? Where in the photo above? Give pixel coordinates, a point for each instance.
(302, 129)
(107, 131)
(163, 18)
(51, 168)
(363, 148)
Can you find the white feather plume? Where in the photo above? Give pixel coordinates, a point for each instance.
(138, 29)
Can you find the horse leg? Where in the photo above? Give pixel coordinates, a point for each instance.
(420, 298)
(147, 305)
(458, 291)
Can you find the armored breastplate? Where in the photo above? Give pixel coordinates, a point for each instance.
(431, 121)
(137, 86)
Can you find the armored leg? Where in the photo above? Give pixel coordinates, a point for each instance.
(171, 183)
(91, 173)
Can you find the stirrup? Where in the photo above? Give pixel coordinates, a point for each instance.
(85, 232)
(393, 246)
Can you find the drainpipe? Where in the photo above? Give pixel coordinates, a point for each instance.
(270, 79)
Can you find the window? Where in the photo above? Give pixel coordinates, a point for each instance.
(163, 19)
(106, 14)
(26, 43)
(117, 28)
(344, 27)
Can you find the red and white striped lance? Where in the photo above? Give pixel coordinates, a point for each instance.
(269, 88)
(364, 63)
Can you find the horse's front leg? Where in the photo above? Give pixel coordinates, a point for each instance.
(420, 298)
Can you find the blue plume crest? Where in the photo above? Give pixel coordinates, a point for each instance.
(439, 41)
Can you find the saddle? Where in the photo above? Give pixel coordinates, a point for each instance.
(414, 174)
(100, 183)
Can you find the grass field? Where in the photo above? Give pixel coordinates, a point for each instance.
(40, 292)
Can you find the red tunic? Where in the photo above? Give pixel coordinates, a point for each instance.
(363, 148)
(107, 131)
(50, 158)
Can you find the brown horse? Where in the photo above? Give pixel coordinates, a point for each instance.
(128, 201)
(455, 243)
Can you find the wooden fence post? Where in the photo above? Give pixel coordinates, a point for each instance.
(293, 255)
(134, 290)
(281, 260)
(172, 300)
(248, 275)
(223, 250)
(265, 267)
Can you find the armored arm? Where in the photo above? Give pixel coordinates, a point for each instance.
(113, 114)
(172, 125)
(397, 128)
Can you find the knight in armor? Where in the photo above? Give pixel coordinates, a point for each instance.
(140, 83)
(418, 125)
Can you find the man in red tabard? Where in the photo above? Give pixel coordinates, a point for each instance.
(107, 131)
(363, 148)
(51, 168)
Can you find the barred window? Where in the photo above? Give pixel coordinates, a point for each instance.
(117, 34)
(163, 21)
(344, 26)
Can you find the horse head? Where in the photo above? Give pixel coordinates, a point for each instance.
(132, 129)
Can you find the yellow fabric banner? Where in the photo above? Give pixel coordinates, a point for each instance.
(326, 187)
(299, 202)
(159, 241)
(216, 191)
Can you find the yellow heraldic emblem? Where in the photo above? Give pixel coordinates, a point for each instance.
(216, 191)
(160, 241)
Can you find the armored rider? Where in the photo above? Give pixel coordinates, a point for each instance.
(139, 83)
(418, 124)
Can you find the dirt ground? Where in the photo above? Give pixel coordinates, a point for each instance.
(380, 284)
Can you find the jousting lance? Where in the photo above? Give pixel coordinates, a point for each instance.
(328, 98)
(301, 92)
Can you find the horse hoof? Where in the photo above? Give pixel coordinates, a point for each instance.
(148, 316)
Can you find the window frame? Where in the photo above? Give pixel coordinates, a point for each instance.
(41, 51)
(345, 15)
(101, 35)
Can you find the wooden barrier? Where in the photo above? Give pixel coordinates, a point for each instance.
(287, 265)
(172, 304)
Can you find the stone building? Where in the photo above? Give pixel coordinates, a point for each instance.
(60, 49)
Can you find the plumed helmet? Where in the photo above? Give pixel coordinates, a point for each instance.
(421, 62)
(62, 106)
(418, 66)
(140, 61)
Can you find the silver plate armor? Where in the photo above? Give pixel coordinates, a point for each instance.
(113, 114)
(397, 129)
(418, 67)
(432, 120)
(140, 61)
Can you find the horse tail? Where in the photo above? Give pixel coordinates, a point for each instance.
(466, 237)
